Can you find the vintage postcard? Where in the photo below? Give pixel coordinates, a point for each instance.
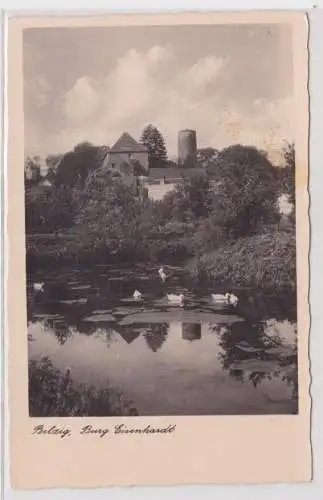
(158, 240)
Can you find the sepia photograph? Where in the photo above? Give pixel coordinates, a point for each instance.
(160, 220)
(158, 249)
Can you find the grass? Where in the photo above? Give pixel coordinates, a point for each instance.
(53, 393)
(266, 262)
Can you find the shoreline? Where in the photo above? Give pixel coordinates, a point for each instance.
(263, 263)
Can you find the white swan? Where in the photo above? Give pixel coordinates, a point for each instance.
(175, 299)
(233, 299)
(162, 274)
(38, 287)
(220, 298)
(137, 295)
(228, 298)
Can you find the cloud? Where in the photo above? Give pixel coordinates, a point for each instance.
(194, 81)
(148, 87)
(81, 102)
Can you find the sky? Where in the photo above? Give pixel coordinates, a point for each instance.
(231, 83)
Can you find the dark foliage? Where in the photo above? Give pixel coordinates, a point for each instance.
(153, 140)
(53, 393)
(76, 165)
(226, 219)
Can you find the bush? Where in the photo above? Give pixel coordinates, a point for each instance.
(265, 262)
(52, 393)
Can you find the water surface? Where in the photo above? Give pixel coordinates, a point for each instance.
(169, 360)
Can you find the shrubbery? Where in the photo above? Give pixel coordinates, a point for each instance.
(226, 222)
(265, 261)
(53, 393)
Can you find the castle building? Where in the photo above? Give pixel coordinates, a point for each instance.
(129, 159)
(127, 156)
(187, 148)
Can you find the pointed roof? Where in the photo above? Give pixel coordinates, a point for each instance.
(127, 144)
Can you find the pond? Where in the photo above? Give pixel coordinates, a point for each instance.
(198, 359)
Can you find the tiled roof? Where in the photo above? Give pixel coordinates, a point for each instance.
(126, 143)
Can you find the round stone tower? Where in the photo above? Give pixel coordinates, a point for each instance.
(187, 148)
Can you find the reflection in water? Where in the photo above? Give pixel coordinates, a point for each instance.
(107, 334)
(166, 362)
(155, 335)
(191, 331)
(61, 329)
(128, 334)
(261, 351)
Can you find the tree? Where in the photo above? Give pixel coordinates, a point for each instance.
(62, 207)
(153, 140)
(82, 146)
(111, 213)
(76, 165)
(206, 156)
(34, 214)
(286, 173)
(32, 171)
(52, 162)
(246, 191)
(53, 212)
(288, 178)
(188, 201)
(137, 168)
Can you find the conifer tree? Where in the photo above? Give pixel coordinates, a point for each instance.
(154, 141)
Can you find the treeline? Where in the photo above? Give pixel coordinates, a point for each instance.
(227, 218)
(85, 157)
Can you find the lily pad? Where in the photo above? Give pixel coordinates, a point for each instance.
(48, 316)
(127, 312)
(102, 311)
(281, 351)
(248, 348)
(96, 318)
(255, 365)
(81, 287)
(165, 302)
(74, 301)
(179, 315)
(130, 300)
